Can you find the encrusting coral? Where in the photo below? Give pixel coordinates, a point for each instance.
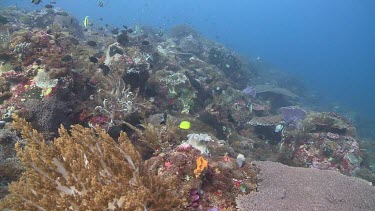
(84, 169)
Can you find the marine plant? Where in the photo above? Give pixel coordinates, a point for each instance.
(84, 169)
(115, 99)
(157, 136)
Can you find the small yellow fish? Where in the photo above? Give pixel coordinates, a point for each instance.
(185, 125)
(86, 21)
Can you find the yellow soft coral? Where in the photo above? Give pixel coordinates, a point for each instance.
(81, 170)
(201, 165)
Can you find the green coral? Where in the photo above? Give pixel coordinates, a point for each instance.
(187, 97)
(175, 83)
(179, 86)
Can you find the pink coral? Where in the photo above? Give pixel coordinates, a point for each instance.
(184, 147)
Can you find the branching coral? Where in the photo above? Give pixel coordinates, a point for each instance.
(84, 169)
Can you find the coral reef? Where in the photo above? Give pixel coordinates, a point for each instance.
(106, 81)
(209, 182)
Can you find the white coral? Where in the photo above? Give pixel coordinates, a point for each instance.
(199, 141)
(42, 80)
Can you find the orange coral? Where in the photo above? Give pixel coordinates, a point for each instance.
(201, 165)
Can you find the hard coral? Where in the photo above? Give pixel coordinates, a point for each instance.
(289, 188)
(83, 170)
(48, 114)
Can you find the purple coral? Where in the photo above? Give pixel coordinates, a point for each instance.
(250, 91)
(194, 197)
(293, 115)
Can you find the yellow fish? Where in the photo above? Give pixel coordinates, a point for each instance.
(86, 21)
(185, 125)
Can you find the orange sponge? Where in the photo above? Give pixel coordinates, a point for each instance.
(201, 165)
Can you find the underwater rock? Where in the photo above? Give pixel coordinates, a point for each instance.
(91, 43)
(67, 23)
(113, 50)
(328, 122)
(115, 31)
(261, 109)
(5, 57)
(137, 77)
(231, 65)
(190, 44)
(63, 21)
(56, 73)
(5, 96)
(74, 41)
(145, 42)
(278, 97)
(93, 59)
(3, 20)
(67, 58)
(106, 70)
(182, 30)
(211, 116)
(264, 128)
(366, 174)
(123, 39)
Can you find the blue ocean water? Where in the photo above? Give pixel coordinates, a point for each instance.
(329, 44)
